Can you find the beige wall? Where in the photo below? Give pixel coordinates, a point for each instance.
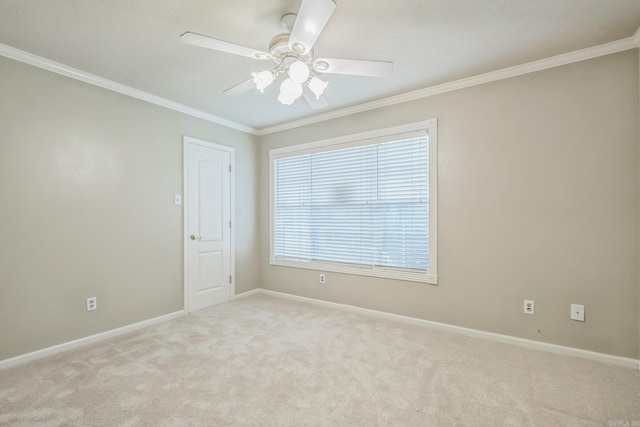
(537, 199)
(87, 178)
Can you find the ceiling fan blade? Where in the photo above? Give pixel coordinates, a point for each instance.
(312, 17)
(241, 88)
(223, 46)
(357, 67)
(310, 97)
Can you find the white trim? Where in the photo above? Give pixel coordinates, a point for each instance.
(358, 270)
(360, 139)
(624, 362)
(368, 135)
(74, 73)
(246, 294)
(433, 202)
(234, 224)
(537, 345)
(505, 73)
(185, 229)
(81, 342)
(186, 140)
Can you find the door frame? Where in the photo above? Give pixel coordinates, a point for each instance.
(186, 141)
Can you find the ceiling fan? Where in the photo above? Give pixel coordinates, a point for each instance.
(292, 52)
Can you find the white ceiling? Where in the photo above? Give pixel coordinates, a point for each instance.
(137, 43)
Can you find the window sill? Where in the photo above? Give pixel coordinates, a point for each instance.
(388, 273)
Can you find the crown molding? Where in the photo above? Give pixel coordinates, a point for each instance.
(518, 70)
(530, 67)
(74, 73)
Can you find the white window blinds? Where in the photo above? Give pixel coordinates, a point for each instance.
(366, 205)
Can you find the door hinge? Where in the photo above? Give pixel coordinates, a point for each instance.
(229, 279)
(229, 223)
(229, 168)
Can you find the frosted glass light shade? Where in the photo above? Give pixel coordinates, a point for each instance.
(291, 89)
(285, 99)
(262, 79)
(317, 86)
(298, 72)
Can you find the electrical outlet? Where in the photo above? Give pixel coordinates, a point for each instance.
(577, 312)
(529, 306)
(323, 278)
(92, 303)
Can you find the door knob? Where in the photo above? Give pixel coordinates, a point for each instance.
(193, 237)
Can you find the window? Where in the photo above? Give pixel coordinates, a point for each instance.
(363, 204)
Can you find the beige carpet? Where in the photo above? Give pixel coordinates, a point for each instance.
(265, 361)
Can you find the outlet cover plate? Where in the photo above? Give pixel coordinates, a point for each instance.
(529, 306)
(92, 303)
(577, 312)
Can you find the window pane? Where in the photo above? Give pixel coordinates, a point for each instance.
(365, 205)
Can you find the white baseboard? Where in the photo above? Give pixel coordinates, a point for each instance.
(537, 345)
(624, 362)
(81, 342)
(247, 293)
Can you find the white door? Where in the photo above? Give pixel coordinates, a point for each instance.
(208, 211)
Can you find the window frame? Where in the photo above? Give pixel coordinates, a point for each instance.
(355, 140)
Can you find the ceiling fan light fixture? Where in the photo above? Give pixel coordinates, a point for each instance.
(298, 72)
(294, 57)
(262, 79)
(285, 100)
(289, 91)
(317, 86)
(291, 88)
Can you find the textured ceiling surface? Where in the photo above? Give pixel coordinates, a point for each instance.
(137, 43)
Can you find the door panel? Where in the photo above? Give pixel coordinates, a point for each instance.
(211, 195)
(210, 270)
